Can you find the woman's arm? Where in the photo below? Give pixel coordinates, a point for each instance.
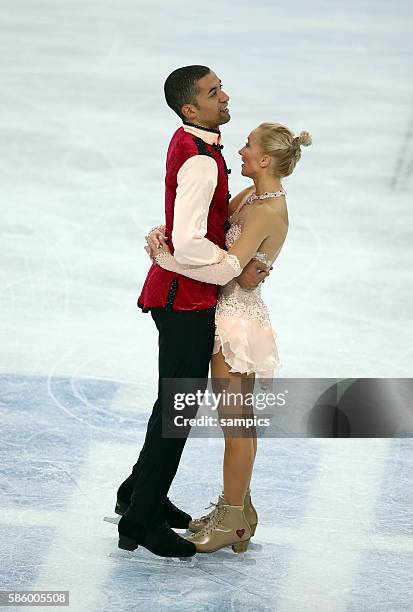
(218, 274)
(159, 229)
(258, 226)
(256, 229)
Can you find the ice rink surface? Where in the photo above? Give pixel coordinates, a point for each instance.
(84, 130)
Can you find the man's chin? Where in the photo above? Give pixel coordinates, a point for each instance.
(224, 118)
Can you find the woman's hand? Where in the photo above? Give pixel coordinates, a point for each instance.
(156, 245)
(158, 234)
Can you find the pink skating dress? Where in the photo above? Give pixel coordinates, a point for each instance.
(242, 325)
(243, 328)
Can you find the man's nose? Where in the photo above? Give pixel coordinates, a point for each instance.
(224, 96)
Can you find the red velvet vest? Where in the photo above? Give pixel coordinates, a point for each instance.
(169, 290)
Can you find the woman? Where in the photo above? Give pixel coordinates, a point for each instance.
(244, 346)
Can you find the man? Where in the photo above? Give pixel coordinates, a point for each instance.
(196, 211)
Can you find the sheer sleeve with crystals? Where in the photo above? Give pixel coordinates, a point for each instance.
(218, 274)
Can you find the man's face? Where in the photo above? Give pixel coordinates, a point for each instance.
(212, 103)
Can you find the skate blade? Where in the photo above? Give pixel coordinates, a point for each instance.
(224, 557)
(154, 561)
(254, 547)
(112, 519)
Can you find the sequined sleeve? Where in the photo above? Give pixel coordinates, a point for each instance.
(218, 274)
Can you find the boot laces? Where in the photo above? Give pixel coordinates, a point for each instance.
(211, 514)
(210, 505)
(215, 520)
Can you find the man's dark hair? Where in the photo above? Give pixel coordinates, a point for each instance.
(181, 87)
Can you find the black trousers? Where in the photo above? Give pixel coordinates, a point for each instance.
(186, 340)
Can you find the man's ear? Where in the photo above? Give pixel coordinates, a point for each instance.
(189, 112)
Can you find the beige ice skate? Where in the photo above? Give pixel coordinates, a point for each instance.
(250, 514)
(227, 527)
(199, 523)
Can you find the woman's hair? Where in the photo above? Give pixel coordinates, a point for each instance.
(280, 143)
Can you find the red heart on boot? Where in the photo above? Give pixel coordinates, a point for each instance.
(240, 532)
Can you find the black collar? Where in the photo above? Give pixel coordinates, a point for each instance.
(200, 127)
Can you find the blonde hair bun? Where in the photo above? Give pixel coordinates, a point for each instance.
(279, 142)
(304, 138)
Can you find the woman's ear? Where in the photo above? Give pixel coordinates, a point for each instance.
(265, 161)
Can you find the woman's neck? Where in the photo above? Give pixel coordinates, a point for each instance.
(267, 184)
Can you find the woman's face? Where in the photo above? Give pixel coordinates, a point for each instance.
(251, 155)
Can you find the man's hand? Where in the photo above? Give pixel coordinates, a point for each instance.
(253, 274)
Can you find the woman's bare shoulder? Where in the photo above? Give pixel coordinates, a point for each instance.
(269, 212)
(276, 210)
(274, 220)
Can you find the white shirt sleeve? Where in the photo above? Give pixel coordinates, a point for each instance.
(197, 179)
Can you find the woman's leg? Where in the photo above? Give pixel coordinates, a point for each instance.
(240, 449)
(254, 441)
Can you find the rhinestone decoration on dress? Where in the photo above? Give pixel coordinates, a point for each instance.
(264, 196)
